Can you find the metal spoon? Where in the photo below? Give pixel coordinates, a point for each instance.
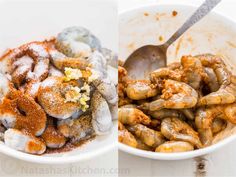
(151, 57)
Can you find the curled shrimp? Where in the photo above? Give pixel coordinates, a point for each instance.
(206, 116)
(125, 136)
(164, 73)
(212, 82)
(175, 129)
(175, 95)
(139, 90)
(50, 97)
(148, 136)
(27, 62)
(132, 116)
(20, 111)
(227, 91)
(164, 113)
(193, 72)
(175, 146)
(77, 41)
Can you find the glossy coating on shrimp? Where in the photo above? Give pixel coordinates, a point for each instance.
(175, 129)
(139, 90)
(132, 116)
(148, 136)
(175, 95)
(174, 146)
(125, 137)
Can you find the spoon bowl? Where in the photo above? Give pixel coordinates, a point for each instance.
(150, 57)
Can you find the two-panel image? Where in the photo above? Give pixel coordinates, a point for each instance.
(117, 88)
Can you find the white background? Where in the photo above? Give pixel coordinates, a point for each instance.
(221, 163)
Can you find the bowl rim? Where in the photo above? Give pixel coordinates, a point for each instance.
(180, 155)
(55, 160)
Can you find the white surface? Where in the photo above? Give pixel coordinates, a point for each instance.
(219, 163)
(27, 20)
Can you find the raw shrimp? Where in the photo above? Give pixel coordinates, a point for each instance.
(206, 136)
(50, 97)
(164, 73)
(101, 115)
(175, 146)
(111, 57)
(212, 82)
(164, 113)
(124, 136)
(26, 63)
(218, 125)
(193, 72)
(188, 113)
(60, 61)
(5, 87)
(216, 63)
(227, 91)
(141, 89)
(148, 136)
(175, 129)
(175, 95)
(205, 116)
(132, 116)
(77, 42)
(23, 141)
(52, 137)
(77, 129)
(22, 112)
(107, 89)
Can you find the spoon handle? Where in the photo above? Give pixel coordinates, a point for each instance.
(203, 10)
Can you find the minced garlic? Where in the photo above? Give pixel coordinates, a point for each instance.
(72, 74)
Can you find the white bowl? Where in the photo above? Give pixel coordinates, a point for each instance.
(214, 34)
(24, 21)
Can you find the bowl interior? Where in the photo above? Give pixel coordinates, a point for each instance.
(25, 21)
(154, 25)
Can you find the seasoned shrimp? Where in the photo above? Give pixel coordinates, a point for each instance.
(175, 146)
(126, 137)
(79, 128)
(101, 115)
(219, 67)
(22, 112)
(218, 125)
(164, 73)
(212, 82)
(164, 113)
(77, 42)
(26, 63)
(132, 116)
(52, 137)
(175, 95)
(206, 136)
(139, 90)
(61, 61)
(148, 136)
(175, 129)
(23, 141)
(227, 91)
(205, 116)
(193, 72)
(50, 97)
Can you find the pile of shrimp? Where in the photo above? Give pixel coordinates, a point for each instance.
(57, 92)
(181, 107)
